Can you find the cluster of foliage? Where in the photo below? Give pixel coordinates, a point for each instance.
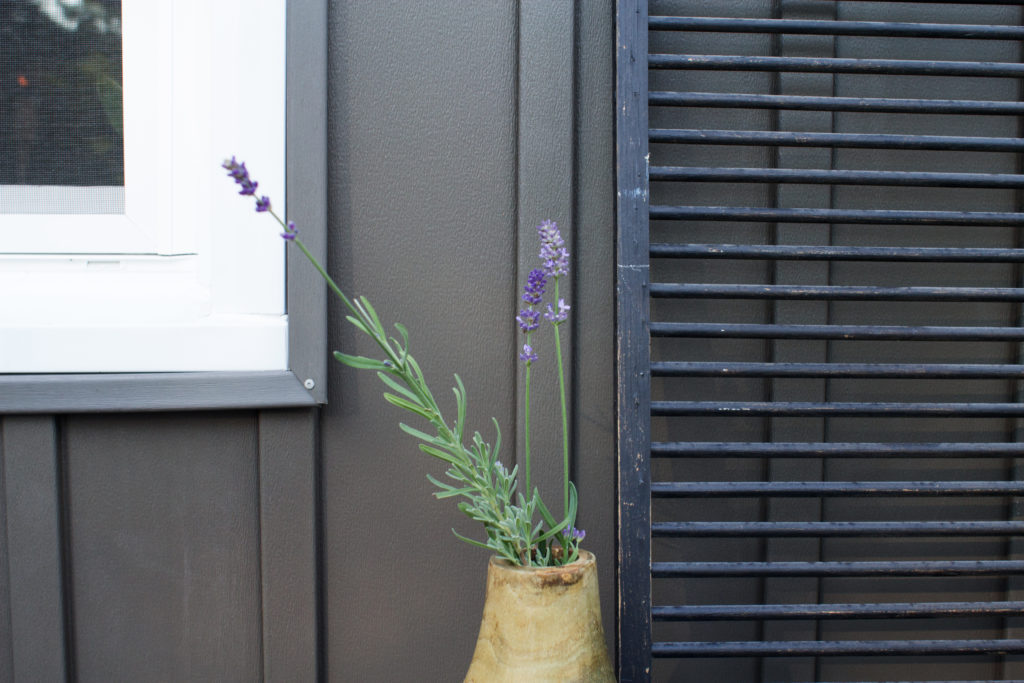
(484, 487)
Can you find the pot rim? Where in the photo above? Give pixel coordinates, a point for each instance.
(585, 559)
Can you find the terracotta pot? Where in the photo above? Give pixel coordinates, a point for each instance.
(541, 624)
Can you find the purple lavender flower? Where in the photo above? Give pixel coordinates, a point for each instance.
(240, 173)
(290, 231)
(561, 315)
(552, 250)
(534, 289)
(263, 204)
(527, 356)
(528, 319)
(576, 534)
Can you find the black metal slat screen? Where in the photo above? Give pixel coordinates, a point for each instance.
(820, 331)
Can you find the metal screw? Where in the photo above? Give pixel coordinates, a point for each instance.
(309, 384)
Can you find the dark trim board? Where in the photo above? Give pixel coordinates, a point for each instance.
(26, 394)
(633, 339)
(305, 382)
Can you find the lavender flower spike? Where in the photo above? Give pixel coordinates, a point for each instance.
(534, 289)
(560, 316)
(528, 356)
(290, 231)
(552, 250)
(528, 319)
(240, 173)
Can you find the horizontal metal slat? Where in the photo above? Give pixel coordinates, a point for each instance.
(851, 140)
(837, 370)
(778, 449)
(892, 610)
(853, 216)
(875, 569)
(833, 529)
(836, 28)
(844, 65)
(832, 409)
(812, 252)
(816, 103)
(835, 647)
(834, 332)
(821, 489)
(951, 2)
(833, 292)
(717, 174)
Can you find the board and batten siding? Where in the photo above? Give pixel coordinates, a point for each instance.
(292, 544)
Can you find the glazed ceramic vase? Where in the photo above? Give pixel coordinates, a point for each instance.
(541, 624)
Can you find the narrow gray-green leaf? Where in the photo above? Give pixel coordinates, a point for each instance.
(437, 453)
(396, 386)
(422, 436)
(360, 362)
(409, 405)
(359, 324)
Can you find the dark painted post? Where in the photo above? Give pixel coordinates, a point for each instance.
(633, 352)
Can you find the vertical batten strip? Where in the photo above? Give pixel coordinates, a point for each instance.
(594, 350)
(32, 492)
(633, 338)
(288, 494)
(6, 636)
(545, 191)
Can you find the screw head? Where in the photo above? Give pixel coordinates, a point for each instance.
(309, 384)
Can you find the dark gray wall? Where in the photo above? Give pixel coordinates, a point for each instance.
(450, 140)
(240, 545)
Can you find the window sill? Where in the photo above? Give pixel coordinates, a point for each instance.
(93, 393)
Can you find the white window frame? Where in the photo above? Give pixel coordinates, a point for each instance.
(190, 278)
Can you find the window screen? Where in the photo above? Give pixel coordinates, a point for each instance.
(61, 116)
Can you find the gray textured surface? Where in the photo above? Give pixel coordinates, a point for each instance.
(423, 222)
(163, 541)
(191, 547)
(34, 550)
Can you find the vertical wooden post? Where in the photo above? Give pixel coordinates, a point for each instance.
(633, 352)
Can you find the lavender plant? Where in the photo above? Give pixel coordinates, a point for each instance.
(486, 490)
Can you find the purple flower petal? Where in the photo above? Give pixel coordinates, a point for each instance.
(527, 356)
(553, 253)
(534, 288)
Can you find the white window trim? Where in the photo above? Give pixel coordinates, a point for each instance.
(190, 278)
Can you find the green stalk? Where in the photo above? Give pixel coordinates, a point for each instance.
(526, 437)
(565, 417)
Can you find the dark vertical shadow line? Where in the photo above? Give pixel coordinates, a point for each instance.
(319, 590)
(6, 669)
(767, 434)
(829, 355)
(257, 425)
(574, 192)
(66, 560)
(516, 222)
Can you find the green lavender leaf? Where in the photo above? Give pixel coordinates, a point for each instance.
(412, 407)
(360, 362)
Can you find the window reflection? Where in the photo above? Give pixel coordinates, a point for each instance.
(60, 93)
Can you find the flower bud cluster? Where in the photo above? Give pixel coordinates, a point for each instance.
(554, 258)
